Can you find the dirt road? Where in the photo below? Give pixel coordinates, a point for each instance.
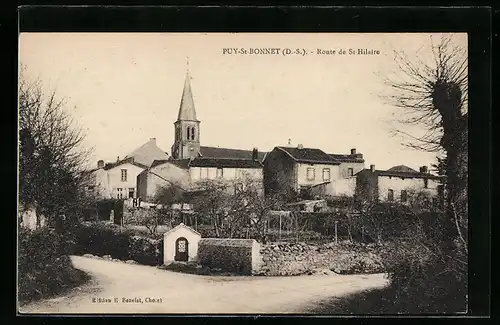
(123, 288)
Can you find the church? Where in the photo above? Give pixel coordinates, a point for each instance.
(190, 162)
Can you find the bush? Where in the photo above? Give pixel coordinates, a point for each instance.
(108, 239)
(43, 267)
(425, 278)
(145, 250)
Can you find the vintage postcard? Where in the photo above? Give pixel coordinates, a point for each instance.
(243, 173)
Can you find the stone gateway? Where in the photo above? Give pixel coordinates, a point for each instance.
(180, 244)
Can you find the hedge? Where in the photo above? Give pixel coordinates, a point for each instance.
(44, 268)
(108, 239)
(230, 255)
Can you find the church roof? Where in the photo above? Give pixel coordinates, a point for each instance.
(224, 163)
(147, 153)
(309, 155)
(214, 152)
(186, 108)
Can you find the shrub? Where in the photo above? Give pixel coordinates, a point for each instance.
(145, 250)
(108, 239)
(101, 239)
(426, 278)
(43, 267)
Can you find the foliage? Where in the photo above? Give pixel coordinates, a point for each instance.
(43, 267)
(108, 239)
(168, 195)
(150, 218)
(51, 158)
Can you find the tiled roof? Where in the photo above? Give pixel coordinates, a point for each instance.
(147, 153)
(129, 160)
(181, 163)
(214, 152)
(159, 162)
(402, 174)
(309, 155)
(356, 158)
(402, 169)
(224, 163)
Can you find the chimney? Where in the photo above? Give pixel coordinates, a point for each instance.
(353, 151)
(152, 140)
(255, 154)
(118, 159)
(300, 146)
(100, 164)
(424, 169)
(372, 168)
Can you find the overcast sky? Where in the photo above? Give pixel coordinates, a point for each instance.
(125, 88)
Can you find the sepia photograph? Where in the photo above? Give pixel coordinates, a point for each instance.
(242, 173)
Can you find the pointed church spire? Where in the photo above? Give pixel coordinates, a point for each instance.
(186, 109)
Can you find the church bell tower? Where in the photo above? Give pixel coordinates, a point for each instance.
(187, 127)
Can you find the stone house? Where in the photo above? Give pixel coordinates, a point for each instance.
(311, 170)
(396, 184)
(119, 179)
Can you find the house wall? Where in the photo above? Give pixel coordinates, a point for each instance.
(169, 244)
(113, 179)
(397, 184)
(150, 181)
(343, 186)
(279, 172)
(366, 186)
(318, 173)
(344, 169)
(229, 174)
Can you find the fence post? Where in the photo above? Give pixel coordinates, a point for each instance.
(280, 228)
(296, 228)
(336, 221)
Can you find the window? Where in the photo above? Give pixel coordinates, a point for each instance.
(188, 132)
(220, 172)
(426, 182)
(124, 175)
(119, 193)
(390, 195)
(326, 174)
(310, 174)
(131, 192)
(404, 196)
(350, 172)
(192, 133)
(203, 172)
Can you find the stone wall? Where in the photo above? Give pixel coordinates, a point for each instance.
(241, 256)
(301, 258)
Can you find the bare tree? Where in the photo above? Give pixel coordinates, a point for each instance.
(52, 176)
(212, 202)
(435, 95)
